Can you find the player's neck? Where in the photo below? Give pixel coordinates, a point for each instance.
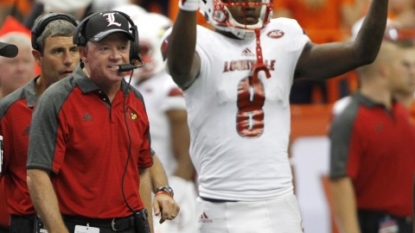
(228, 34)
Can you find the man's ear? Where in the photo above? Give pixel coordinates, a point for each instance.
(37, 56)
(384, 69)
(82, 53)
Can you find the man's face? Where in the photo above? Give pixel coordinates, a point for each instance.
(245, 11)
(406, 69)
(17, 71)
(103, 57)
(59, 59)
(394, 70)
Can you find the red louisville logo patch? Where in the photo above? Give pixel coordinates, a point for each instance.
(275, 34)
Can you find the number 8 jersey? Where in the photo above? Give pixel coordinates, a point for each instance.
(239, 128)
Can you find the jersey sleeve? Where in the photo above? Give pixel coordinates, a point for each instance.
(6, 128)
(173, 98)
(46, 140)
(292, 29)
(145, 160)
(203, 44)
(345, 145)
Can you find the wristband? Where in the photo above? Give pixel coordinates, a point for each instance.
(163, 192)
(189, 5)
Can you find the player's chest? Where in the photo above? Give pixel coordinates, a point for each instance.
(245, 73)
(239, 60)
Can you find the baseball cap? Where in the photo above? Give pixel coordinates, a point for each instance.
(102, 24)
(8, 50)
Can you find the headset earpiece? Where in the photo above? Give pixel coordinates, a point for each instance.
(135, 47)
(78, 35)
(41, 24)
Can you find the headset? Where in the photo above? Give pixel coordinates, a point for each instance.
(41, 24)
(80, 39)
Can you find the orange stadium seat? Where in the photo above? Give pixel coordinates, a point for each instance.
(23, 6)
(310, 120)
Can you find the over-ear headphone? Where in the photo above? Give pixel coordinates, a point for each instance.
(42, 22)
(80, 39)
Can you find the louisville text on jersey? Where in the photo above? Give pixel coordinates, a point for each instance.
(230, 66)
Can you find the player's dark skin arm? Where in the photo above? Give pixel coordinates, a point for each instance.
(333, 59)
(182, 61)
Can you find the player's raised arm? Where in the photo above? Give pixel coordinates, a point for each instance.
(182, 61)
(333, 59)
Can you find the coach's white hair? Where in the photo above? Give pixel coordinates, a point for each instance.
(21, 40)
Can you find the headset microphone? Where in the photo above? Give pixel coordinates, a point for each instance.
(126, 67)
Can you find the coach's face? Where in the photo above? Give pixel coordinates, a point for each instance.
(59, 59)
(103, 58)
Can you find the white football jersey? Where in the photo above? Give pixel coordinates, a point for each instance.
(240, 131)
(160, 95)
(341, 104)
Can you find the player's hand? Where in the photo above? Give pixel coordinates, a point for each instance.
(165, 206)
